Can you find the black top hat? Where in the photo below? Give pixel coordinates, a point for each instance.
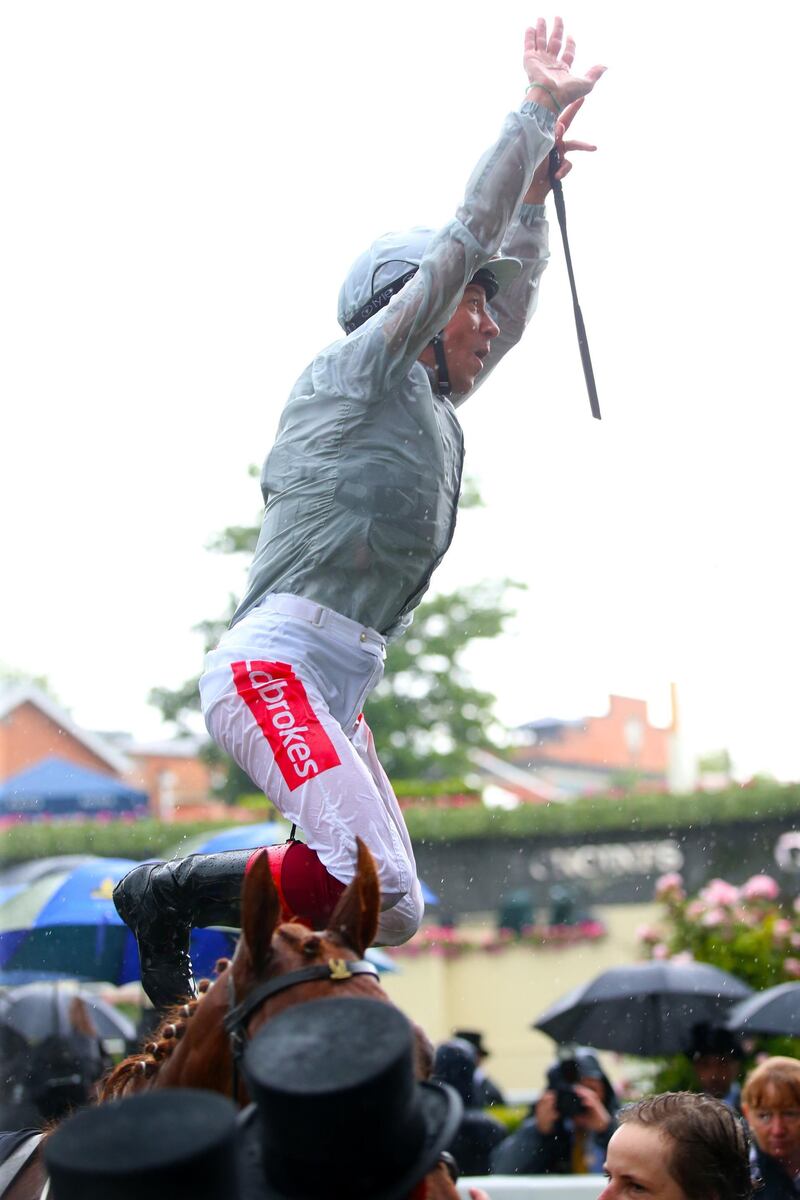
(713, 1040)
(475, 1038)
(454, 1063)
(342, 1115)
(175, 1143)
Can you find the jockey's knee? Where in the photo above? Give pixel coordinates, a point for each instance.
(402, 919)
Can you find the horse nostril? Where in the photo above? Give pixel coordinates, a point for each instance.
(311, 946)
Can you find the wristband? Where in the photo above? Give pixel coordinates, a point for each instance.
(559, 108)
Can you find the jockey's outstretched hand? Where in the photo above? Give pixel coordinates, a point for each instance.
(565, 147)
(540, 184)
(545, 62)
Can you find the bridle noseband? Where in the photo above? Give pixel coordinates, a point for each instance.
(336, 970)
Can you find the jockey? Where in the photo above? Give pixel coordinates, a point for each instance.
(360, 492)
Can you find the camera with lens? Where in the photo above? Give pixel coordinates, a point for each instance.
(568, 1102)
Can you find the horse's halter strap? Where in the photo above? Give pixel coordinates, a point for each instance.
(235, 1020)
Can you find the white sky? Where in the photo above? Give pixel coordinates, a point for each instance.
(185, 185)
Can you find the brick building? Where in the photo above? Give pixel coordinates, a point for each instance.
(33, 727)
(593, 754)
(175, 777)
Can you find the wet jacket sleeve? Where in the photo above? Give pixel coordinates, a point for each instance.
(376, 357)
(513, 307)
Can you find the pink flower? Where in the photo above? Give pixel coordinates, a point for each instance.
(649, 934)
(695, 909)
(670, 887)
(748, 916)
(661, 951)
(792, 967)
(714, 917)
(760, 887)
(794, 940)
(796, 905)
(683, 957)
(718, 892)
(781, 930)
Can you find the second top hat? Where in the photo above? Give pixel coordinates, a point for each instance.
(342, 1114)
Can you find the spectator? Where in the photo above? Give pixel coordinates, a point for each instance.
(478, 1133)
(570, 1126)
(44, 1078)
(678, 1146)
(716, 1056)
(337, 1110)
(771, 1105)
(486, 1092)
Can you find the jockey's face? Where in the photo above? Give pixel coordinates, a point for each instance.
(467, 338)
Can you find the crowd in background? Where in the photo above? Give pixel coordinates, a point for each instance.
(335, 1096)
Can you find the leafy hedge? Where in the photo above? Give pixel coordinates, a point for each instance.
(115, 839)
(151, 839)
(433, 789)
(592, 814)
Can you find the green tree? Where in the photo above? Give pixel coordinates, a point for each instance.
(12, 675)
(426, 715)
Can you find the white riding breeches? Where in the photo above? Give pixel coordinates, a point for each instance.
(282, 695)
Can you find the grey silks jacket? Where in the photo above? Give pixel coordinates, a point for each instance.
(362, 483)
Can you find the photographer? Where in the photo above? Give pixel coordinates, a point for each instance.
(570, 1125)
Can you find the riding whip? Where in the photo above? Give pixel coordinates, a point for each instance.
(583, 344)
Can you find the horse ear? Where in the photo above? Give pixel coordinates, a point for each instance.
(356, 915)
(261, 910)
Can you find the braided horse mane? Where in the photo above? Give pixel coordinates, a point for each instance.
(138, 1070)
(190, 1048)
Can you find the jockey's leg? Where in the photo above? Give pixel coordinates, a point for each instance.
(402, 920)
(335, 802)
(162, 902)
(269, 702)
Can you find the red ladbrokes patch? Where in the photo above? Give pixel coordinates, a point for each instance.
(278, 701)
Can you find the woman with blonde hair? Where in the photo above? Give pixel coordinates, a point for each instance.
(771, 1105)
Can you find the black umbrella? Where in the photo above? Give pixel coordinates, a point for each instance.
(776, 1010)
(647, 1009)
(42, 1010)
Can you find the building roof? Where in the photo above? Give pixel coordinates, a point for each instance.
(526, 783)
(14, 695)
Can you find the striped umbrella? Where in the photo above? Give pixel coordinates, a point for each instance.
(65, 925)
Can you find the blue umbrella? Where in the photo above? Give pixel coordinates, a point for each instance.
(16, 878)
(385, 964)
(239, 837)
(65, 925)
(57, 786)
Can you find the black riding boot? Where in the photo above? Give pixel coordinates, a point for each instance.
(161, 902)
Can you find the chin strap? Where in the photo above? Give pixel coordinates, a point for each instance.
(583, 344)
(441, 365)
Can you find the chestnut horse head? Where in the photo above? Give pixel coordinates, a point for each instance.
(193, 1048)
